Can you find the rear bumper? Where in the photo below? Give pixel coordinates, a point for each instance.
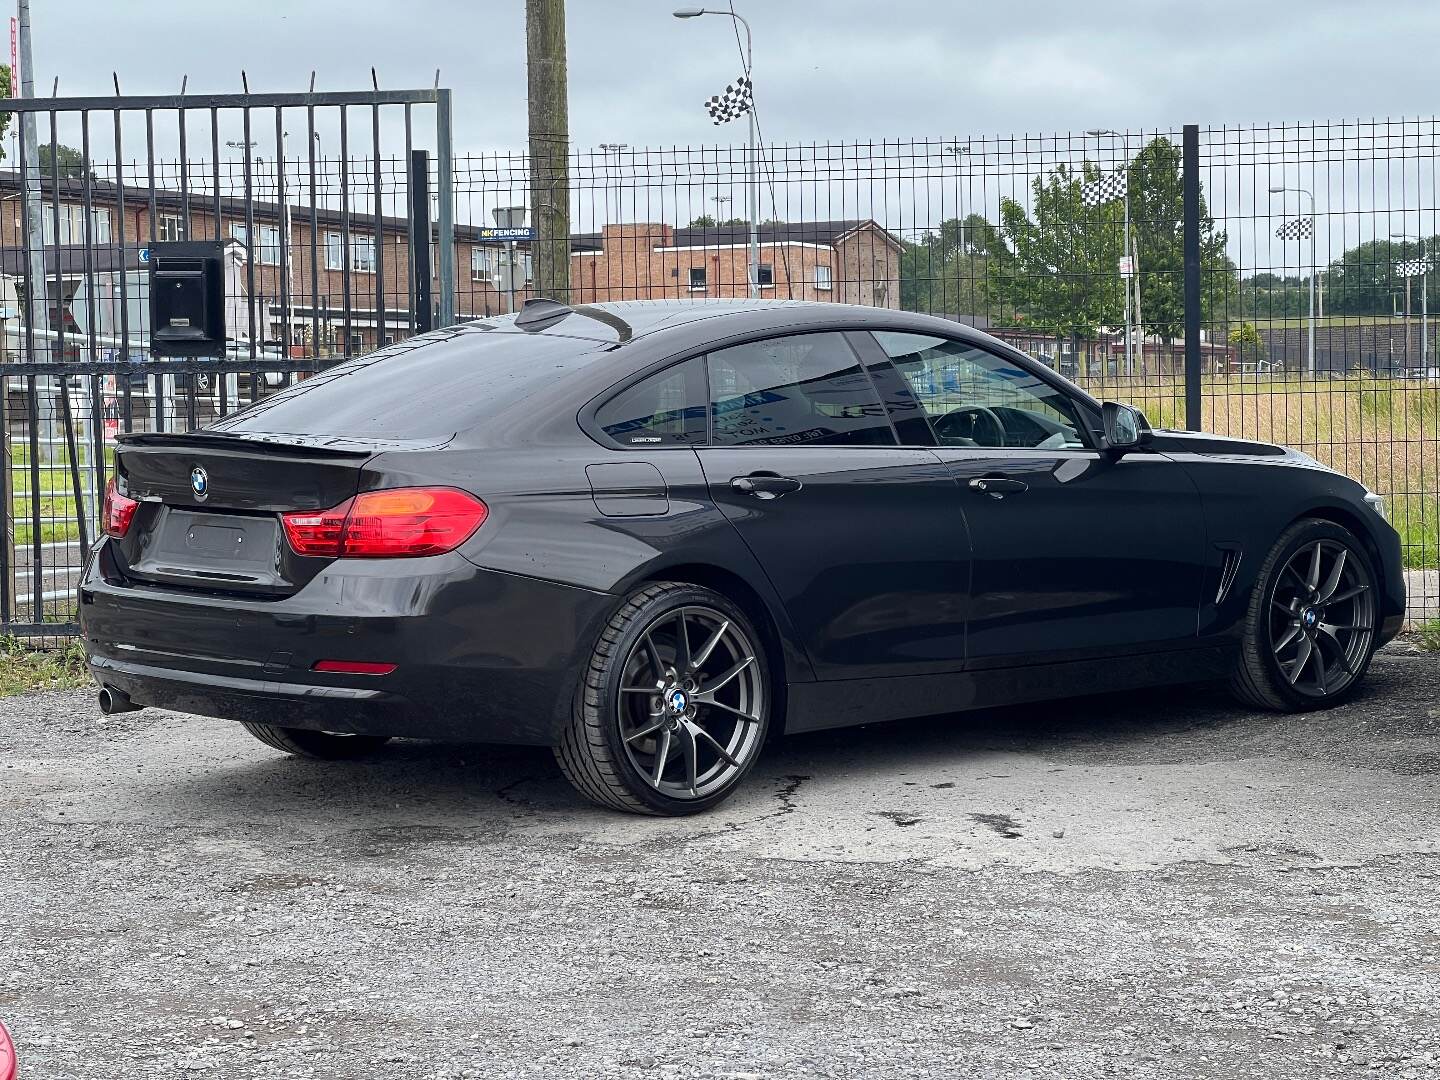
(481, 655)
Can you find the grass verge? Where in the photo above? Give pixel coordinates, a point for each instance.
(23, 667)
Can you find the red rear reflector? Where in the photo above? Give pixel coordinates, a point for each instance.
(395, 523)
(353, 667)
(118, 511)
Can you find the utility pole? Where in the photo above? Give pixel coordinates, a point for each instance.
(549, 146)
(36, 288)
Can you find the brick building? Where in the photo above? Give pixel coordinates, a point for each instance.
(843, 261)
(847, 262)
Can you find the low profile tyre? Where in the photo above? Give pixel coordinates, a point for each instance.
(674, 705)
(1310, 627)
(322, 745)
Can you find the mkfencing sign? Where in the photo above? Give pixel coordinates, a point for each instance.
(523, 232)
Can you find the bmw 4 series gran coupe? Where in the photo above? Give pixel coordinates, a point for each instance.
(651, 535)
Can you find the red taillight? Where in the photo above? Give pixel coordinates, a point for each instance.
(396, 523)
(353, 667)
(118, 512)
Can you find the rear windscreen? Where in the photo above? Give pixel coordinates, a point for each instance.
(427, 387)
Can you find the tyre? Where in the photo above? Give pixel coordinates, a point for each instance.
(322, 745)
(1309, 631)
(673, 706)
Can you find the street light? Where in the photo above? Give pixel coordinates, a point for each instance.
(1424, 268)
(1280, 189)
(1129, 278)
(754, 268)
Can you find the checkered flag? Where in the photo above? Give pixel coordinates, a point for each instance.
(1106, 188)
(1412, 267)
(1296, 229)
(735, 102)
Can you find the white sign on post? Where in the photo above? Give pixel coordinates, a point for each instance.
(1127, 266)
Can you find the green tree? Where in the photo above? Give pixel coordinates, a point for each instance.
(1249, 346)
(1364, 281)
(947, 271)
(5, 91)
(1061, 271)
(1157, 218)
(73, 165)
(707, 221)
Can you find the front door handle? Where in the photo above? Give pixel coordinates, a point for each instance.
(765, 485)
(998, 485)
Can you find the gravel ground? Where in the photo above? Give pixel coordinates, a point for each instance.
(1157, 886)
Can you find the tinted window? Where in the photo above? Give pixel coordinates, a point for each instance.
(668, 408)
(426, 387)
(807, 389)
(975, 398)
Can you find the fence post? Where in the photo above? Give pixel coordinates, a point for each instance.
(420, 303)
(1190, 183)
(445, 184)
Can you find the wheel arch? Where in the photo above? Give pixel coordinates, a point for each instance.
(1347, 519)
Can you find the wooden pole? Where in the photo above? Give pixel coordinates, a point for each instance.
(549, 146)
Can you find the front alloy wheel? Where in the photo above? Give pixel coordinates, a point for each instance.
(1309, 630)
(1322, 618)
(674, 707)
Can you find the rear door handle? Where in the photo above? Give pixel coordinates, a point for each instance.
(765, 485)
(998, 485)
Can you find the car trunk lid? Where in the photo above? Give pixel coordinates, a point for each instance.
(210, 506)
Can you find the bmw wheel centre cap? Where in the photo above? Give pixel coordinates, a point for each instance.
(200, 482)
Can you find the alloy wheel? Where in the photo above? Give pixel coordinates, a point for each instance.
(1322, 618)
(691, 702)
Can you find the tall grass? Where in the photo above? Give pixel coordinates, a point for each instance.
(1383, 432)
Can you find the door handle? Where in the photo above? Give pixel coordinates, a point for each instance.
(997, 485)
(765, 485)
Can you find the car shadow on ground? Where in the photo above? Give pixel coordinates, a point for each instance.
(460, 785)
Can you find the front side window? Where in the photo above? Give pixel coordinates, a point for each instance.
(667, 409)
(697, 277)
(823, 278)
(269, 249)
(334, 251)
(802, 390)
(975, 398)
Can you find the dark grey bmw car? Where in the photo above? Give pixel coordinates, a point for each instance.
(650, 535)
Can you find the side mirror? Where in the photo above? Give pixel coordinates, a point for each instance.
(1125, 426)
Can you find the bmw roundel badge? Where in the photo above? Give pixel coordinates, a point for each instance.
(200, 482)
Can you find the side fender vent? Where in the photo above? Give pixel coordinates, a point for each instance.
(1229, 568)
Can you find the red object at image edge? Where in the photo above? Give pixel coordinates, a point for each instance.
(8, 1064)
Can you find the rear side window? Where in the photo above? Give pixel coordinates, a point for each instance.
(801, 390)
(667, 409)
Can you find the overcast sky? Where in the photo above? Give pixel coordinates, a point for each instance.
(824, 69)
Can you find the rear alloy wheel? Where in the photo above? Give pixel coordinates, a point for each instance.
(1310, 629)
(321, 745)
(674, 707)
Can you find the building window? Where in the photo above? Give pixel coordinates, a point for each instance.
(362, 252)
(169, 227)
(72, 225)
(765, 274)
(269, 250)
(482, 264)
(527, 264)
(697, 277)
(823, 280)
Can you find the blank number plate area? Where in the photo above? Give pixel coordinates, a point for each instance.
(214, 545)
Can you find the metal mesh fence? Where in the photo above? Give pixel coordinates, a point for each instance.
(1314, 248)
